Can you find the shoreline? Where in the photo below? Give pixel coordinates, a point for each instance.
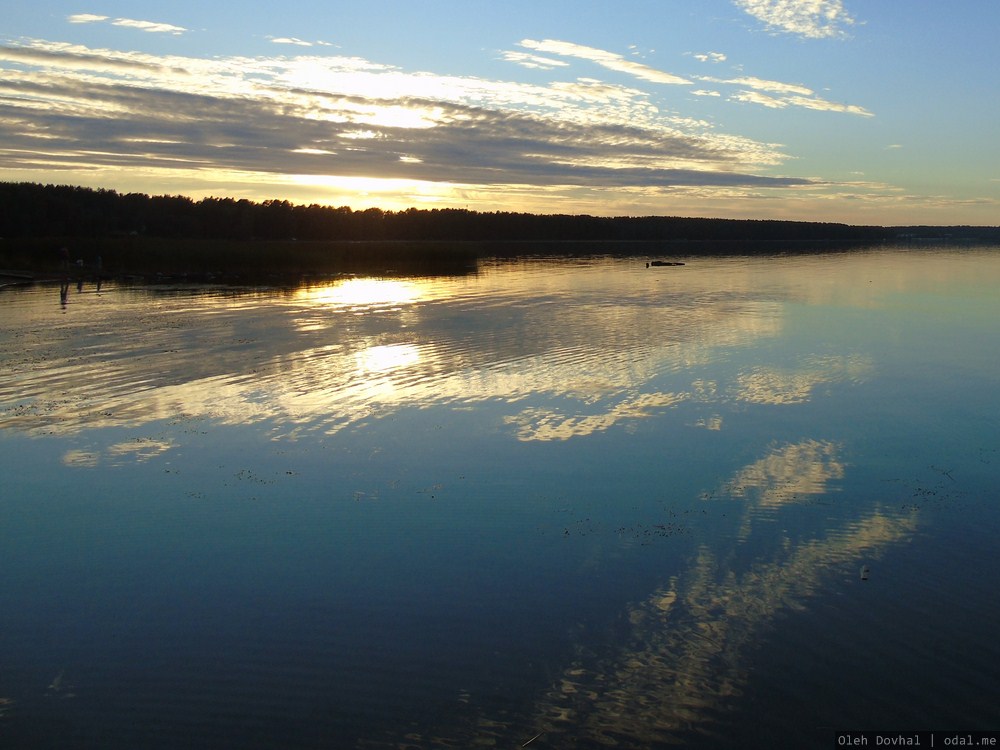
(152, 259)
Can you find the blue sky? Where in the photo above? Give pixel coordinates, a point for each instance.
(823, 110)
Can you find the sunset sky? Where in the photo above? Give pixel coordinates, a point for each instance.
(824, 110)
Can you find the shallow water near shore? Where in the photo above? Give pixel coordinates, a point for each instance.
(554, 503)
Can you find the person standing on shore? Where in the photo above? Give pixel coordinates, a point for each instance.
(64, 259)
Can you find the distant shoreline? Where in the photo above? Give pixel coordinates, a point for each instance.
(151, 259)
(136, 235)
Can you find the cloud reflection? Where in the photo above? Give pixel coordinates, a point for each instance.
(770, 385)
(545, 424)
(326, 356)
(788, 473)
(688, 643)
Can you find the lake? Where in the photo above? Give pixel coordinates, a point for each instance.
(549, 503)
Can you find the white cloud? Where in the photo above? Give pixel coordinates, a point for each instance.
(609, 60)
(714, 57)
(151, 26)
(131, 23)
(290, 40)
(755, 97)
(823, 105)
(790, 94)
(294, 115)
(762, 84)
(86, 18)
(813, 19)
(533, 61)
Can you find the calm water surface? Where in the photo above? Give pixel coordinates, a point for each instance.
(553, 503)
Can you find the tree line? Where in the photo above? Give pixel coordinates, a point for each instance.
(31, 210)
(34, 210)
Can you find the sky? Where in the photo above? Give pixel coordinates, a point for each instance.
(852, 111)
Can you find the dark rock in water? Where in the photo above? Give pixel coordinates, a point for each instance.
(865, 570)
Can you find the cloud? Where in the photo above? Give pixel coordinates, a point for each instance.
(755, 97)
(278, 120)
(533, 61)
(812, 19)
(150, 26)
(609, 60)
(68, 58)
(795, 96)
(86, 18)
(823, 105)
(762, 84)
(714, 57)
(290, 40)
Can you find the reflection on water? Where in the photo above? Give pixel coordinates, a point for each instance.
(686, 653)
(788, 473)
(546, 424)
(768, 385)
(326, 357)
(557, 503)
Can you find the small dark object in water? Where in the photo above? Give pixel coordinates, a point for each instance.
(865, 570)
(664, 263)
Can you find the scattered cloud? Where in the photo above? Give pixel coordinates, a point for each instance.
(812, 19)
(827, 106)
(150, 26)
(290, 40)
(790, 94)
(86, 18)
(755, 97)
(313, 126)
(609, 60)
(533, 61)
(296, 42)
(303, 116)
(71, 58)
(761, 84)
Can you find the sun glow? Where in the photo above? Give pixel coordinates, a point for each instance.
(364, 294)
(389, 193)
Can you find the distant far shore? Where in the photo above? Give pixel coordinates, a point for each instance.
(57, 230)
(29, 260)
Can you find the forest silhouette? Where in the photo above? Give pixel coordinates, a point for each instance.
(238, 233)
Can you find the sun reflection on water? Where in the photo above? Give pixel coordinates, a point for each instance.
(364, 293)
(379, 359)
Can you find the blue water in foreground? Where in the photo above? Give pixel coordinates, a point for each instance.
(553, 503)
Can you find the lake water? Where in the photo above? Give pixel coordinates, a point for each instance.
(552, 503)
